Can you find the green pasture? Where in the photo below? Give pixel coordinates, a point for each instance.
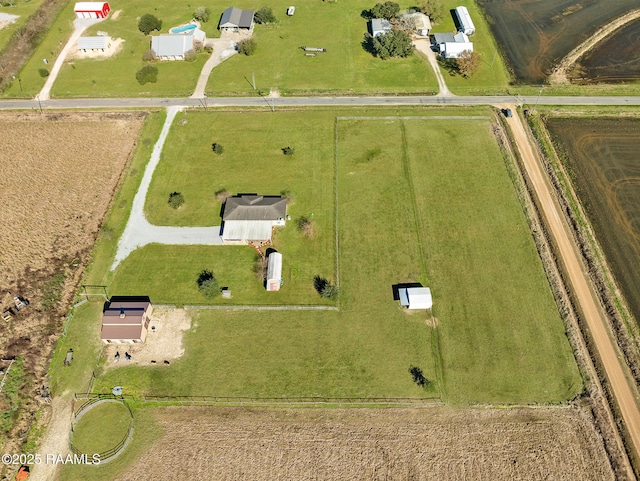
(23, 9)
(101, 428)
(413, 206)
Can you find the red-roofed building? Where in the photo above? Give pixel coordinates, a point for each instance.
(92, 9)
(126, 322)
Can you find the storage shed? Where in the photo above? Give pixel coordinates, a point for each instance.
(126, 321)
(464, 22)
(274, 272)
(94, 43)
(450, 45)
(234, 19)
(92, 9)
(380, 26)
(415, 297)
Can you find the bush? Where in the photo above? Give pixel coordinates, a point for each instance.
(148, 23)
(287, 194)
(264, 15)
(217, 148)
(289, 151)
(149, 56)
(247, 46)
(44, 73)
(147, 74)
(418, 377)
(306, 226)
(176, 199)
(202, 14)
(394, 43)
(208, 285)
(190, 56)
(260, 268)
(433, 9)
(222, 194)
(325, 288)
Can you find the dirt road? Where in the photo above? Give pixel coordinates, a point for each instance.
(622, 385)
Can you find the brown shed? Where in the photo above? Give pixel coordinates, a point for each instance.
(126, 321)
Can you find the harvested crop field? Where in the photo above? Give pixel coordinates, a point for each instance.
(367, 444)
(601, 154)
(58, 173)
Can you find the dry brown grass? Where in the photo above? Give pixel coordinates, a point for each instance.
(369, 444)
(58, 173)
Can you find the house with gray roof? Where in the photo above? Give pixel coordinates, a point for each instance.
(379, 26)
(451, 45)
(235, 19)
(251, 218)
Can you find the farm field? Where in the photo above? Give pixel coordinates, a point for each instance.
(360, 444)
(395, 225)
(601, 156)
(55, 190)
(612, 61)
(536, 35)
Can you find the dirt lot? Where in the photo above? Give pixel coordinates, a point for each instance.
(369, 444)
(58, 173)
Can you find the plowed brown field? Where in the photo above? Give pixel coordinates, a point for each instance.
(373, 444)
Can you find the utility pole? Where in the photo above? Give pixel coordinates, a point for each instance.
(205, 102)
(539, 94)
(253, 77)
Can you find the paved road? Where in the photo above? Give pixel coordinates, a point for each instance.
(311, 101)
(616, 370)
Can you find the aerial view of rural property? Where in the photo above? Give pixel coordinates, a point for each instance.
(327, 240)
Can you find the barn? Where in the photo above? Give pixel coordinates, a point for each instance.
(274, 272)
(415, 297)
(92, 9)
(251, 218)
(234, 20)
(463, 21)
(126, 321)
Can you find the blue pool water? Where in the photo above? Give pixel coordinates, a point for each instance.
(182, 28)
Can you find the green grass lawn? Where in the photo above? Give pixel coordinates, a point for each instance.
(413, 205)
(101, 428)
(23, 9)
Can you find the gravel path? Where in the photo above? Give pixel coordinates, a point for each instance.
(223, 48)
(139, 232)
(423, 46)
(79, 26)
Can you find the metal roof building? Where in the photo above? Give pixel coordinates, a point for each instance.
(93, 43)
(251, 217)
(234, 18)
(416, 298)
(274, 272)
(171, 47)
(465, 24)
(126, 321)
(379, 26)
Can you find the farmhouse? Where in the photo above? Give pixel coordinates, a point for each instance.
(415, 297)
(234, 19)
(92, 44)
(379, 26)
(450, 45)
(463, 21)
(92, 9)
(250, 218)
(420, 23)
(168, 46)
(274, 272)
(126, 321)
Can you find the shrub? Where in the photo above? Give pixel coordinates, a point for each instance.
(247, 46)
(148, 23)
(264, 15)
(325, 288)
(43, 72)
(222, 195)
(306, 226)
(190, 56)
(176, 199)
(289, 151)
(147, 74)
(217, 148)
(418, 377)
(260, 268)
(149, 56)
(208, 285)
(203, 14)
(290, 196)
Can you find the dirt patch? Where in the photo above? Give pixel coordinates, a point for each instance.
(58, 173)
(7, 19)
(116, 14)
(365, 444)
(163, 343)
(115, 45)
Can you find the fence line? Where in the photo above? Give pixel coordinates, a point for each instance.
(265, 308)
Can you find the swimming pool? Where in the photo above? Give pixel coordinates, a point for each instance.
(183, 28)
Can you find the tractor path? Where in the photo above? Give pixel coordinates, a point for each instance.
(424, 46)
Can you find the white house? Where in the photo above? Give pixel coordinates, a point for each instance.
(465, 24)
(415, 297)
(421, 24)
(380, 26)
(251, 218)
(92, 9)
(169, 46)
(450, 45)
(234, 20)
(274, 272)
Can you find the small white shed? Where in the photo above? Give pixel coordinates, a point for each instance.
(274, 272)
(465, 24)
(415, 297)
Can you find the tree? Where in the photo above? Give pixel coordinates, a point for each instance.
(190, 56)
(208, 285)
(247, 46)
(147, 74)
(386, 10)
(217, 148)
(148, 23)
(418, 377)
(264, 15)
(468, 63)
(176, 199)
(202, 14)
(149, 56)
(289, 151)
(433, 9)
(394, 43)
(325, 288)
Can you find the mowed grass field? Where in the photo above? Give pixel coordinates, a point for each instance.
(418, 200)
